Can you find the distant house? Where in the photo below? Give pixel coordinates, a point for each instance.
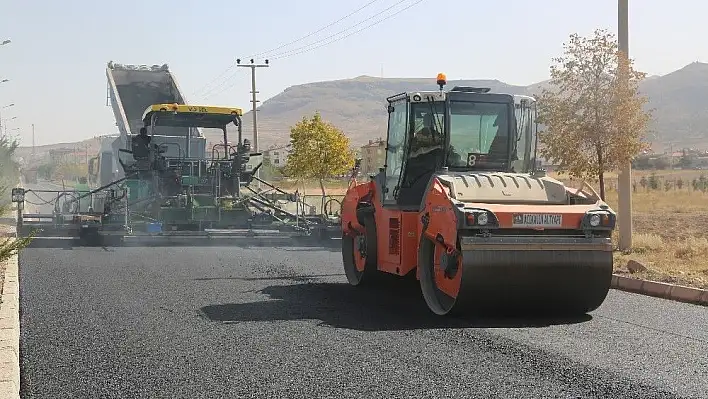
(276, 155)
(373, 156)
(60, 154)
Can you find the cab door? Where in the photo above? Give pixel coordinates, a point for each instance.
(388, 221)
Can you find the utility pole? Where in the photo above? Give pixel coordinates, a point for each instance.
(254, 100)
(33, 153)
(671, 155)
(625, 178)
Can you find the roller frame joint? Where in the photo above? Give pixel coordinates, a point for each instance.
(448, 260)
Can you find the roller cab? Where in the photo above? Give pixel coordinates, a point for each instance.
(462, 203)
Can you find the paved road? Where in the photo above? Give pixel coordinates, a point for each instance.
(247, 323)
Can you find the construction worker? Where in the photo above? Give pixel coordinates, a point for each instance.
(141, 144)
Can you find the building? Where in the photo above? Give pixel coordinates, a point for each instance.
(276, 155)
(373, 156)
(61, 154)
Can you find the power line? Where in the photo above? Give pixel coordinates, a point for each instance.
(232, 66)
(317, 31)
(329, 39)
(305, 49)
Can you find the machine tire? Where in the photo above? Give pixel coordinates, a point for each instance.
(437, 301)
(350, 255)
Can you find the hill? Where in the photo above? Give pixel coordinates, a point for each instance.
(357, 106)
(679, 100)
(680, 103)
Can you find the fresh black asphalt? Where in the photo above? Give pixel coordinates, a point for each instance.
(282, 322)
(218, 322)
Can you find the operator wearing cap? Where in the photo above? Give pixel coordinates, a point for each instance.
(141, 144)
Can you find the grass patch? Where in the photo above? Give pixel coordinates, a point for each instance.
(11, 246)
(683, 262)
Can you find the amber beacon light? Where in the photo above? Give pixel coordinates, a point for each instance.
(442, 80)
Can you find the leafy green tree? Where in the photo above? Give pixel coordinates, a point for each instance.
(687, 160)
(319, 150)
(9, 174)
(662, 163)
(643, 182)
(595, 121)
(9, 171)
(653, 182)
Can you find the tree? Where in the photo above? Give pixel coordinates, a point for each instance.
(687, 160)
(662, 163)
(9, 169)
(595, 121)
(653, 182)
(270, 171)
(319, 150)
(70, 170)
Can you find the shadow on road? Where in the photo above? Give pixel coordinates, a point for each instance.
(272, 278)
(397, 307)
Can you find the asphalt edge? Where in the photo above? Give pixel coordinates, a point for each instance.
(657, 289)
(10, 329)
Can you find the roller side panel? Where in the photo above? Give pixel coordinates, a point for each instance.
(438, 219)
(401, 258)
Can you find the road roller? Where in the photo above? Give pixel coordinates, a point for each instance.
(463, 203)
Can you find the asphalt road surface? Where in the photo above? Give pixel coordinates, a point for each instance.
(282, 323)
(234, 322)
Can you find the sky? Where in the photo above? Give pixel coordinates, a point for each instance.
(58, 53)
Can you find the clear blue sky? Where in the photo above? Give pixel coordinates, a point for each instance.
(59, 49)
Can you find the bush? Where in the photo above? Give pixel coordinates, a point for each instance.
(9, 174)
(11, 246)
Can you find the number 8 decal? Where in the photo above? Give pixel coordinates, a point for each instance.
(471, 159)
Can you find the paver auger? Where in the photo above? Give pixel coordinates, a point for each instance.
(463, 203)
(177, 200)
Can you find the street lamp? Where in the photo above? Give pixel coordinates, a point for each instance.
(7, 106)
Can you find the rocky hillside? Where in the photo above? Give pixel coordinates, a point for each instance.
(357, 106)
(679, 101)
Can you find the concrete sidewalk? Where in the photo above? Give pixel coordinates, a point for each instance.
(9, 318)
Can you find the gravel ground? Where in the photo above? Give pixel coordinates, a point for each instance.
(282, 322)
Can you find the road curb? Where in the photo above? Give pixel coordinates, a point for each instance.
(10, 332)
(10, 323)
(660, 290)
